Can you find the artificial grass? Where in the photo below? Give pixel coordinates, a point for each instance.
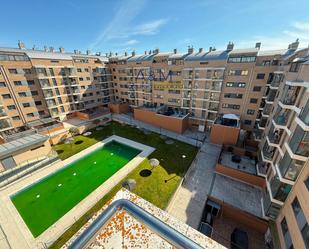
(157, 188)
(58, 193)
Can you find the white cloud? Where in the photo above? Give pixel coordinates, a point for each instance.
(281, 40)
(130, 42)
(121, 27)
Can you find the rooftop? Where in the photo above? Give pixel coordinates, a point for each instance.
(238, 194)
(124, 230)
(25, 142)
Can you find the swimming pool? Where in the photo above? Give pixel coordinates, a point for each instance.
(44, 202)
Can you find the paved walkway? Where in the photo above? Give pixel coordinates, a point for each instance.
(190, 137)
(189, 200)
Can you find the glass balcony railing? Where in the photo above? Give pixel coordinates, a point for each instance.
(289, 95)
(279, 190)
(277, 79)
(213, 106)
(268, 151)
(270, 209)
(267, 109)
(274, 135)
(4, 124)
(271, 95)
(304, 115)
(282, 116)
(290, 168)
(263, 122)
(299, 143)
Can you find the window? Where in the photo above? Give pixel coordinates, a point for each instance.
(87, 78)
(231, 106)
(13, 71)
(236, 84)
(296, 207)
(25, 105)
(305, 234)
(27, 70)
(34, 93)
(294, 67)
(81, 79)
(38, 102)
(250, 112)
(17, 83)
(11, 107)
(30, 82)
(16, 118)
(6, 96)
(30, 115)
(233, 95)
(239, 59)
(260, 76)
(286, 234)
(247, 122)
(79, 70)
(253, 101)
(238, 72)
(22, 94)
(2, 84)
(86, 70)
(257, 88)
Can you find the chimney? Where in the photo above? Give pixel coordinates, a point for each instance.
(98, 53)
(88, 52)
(294, 45)
(200, 50)
(125, 53)
(175, 51)
(51, 49)
(116, 54)
(61, 50)
(190, 50)
(145, 52)
(106, 54)
(156, 51)
(21, 45)
(133, 53)
(75, 51)
(33, 48)
(258, 45)
(230, 46)
(210, 49)
(45, 48)
(110, 54)
(149, 52)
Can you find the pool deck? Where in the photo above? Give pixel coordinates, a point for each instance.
(14, 228)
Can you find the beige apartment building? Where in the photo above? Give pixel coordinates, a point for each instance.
(285, 150)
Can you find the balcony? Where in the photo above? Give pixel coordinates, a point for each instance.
(290, 168)
(282, 116)
(271, 95)
(263, 103)
(277, 79)
(267, 109)
(304, 115)
(289, 95)
(262, 168)
(268, 152)
(299, 143)
(279, 190)
(262, 122)
(274, 135)
(270, 208)
(213, 106)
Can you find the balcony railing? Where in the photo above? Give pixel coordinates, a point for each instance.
(304, 115)
(268, 152)
(290, 168)
(290, 94)
(267, 109)
(279, 190)
(263, 122)
(270, 209)
(276, 80)
(282, 116)
(299, 143)
(271, 95)
(275, 135)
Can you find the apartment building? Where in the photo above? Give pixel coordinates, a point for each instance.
(205, 84)
(284, 149)
(36, 85)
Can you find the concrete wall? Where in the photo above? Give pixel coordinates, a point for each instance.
(119, 108)
(221, 134)
(240, 216)
(240, 175)
(178, 125)
(33, 154)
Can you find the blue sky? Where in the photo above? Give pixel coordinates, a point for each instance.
(126, 25)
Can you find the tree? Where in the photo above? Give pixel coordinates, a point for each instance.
(73, 131)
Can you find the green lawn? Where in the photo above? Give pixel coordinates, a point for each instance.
(157, 188)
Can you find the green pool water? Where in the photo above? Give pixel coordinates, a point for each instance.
(43, 203)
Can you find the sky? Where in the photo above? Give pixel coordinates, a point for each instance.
(127, 25)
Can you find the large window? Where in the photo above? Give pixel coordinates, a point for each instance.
(240, 59)
(238, 72)
(236, 84)
(305, 234)
(301, 221)
(299, 142)
(286, 234)
(233, 95)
